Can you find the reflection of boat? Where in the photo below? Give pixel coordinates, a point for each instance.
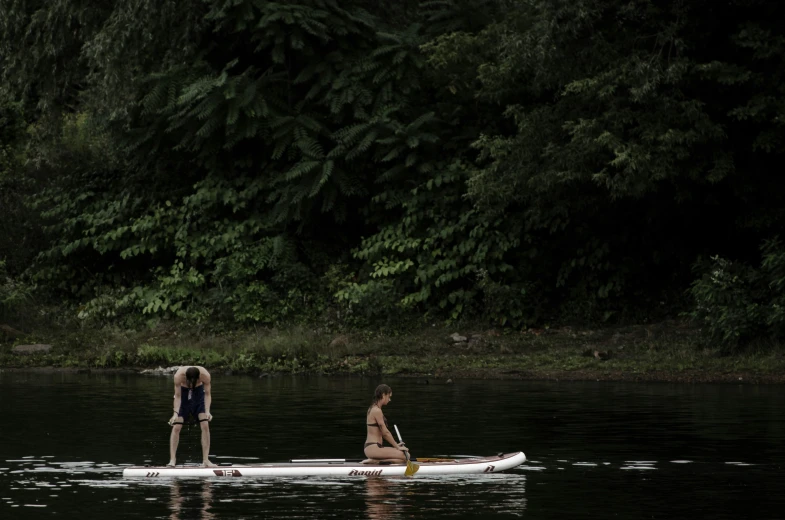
(335, 468)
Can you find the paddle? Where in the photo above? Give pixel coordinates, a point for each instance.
(411, 467)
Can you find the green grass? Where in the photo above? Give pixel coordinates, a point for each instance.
(668, 351)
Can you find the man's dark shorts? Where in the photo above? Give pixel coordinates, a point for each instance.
(191, 402)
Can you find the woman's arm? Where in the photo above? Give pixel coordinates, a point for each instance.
(386, 434)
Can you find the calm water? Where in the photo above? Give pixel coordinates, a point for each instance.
(596, 450)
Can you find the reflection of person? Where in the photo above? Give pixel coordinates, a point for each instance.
(379, 507)
(378, 432)
(177, 503)
(192, 397)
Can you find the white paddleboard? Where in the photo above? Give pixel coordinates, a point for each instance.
(333, 468)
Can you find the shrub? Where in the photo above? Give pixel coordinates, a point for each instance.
(737, 303)
(13, 294)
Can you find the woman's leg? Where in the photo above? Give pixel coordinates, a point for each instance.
(388, 454)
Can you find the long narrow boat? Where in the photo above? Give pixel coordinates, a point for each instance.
(335, 468)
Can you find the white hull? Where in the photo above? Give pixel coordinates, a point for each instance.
(493, 464)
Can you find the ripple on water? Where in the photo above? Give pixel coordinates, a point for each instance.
(102, 483)
(639, 465)
(78, 464)
(315, 482)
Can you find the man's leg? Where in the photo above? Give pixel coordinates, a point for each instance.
(204, 425)
(174, 440)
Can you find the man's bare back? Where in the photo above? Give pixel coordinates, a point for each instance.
(204, 376)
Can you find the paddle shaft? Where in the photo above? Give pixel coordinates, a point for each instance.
(411, 468)
(400, 439)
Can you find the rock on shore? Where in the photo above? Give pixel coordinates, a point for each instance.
(160, 371)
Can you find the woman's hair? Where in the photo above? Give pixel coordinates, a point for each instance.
(192, 376)
(378, 394)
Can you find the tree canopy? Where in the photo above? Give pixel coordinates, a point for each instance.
(521, 162)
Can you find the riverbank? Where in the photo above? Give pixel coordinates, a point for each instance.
(670, 351)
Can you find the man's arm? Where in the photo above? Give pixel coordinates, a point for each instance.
(178, 397)
(207, 381)
(208, 398)
(177, 401)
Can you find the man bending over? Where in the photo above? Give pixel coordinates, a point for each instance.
(192, 397)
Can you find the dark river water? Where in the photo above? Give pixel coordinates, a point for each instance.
(595, 450)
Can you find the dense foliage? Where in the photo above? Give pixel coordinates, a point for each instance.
(738, 303)
(260, 161)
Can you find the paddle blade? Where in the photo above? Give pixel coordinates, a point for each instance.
(411, 467)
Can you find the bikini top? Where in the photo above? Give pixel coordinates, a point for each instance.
(376, 425)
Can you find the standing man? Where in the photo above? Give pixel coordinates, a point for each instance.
(192, 386)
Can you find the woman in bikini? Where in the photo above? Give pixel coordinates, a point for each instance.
(378, 432)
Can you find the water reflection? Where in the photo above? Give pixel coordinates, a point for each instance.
(378, 506)
(197, 505)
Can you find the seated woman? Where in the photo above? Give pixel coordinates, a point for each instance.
(378, 432)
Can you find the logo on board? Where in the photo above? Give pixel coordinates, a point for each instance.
(367, 473)
(227, 472)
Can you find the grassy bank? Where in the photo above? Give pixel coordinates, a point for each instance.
(668, 351)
